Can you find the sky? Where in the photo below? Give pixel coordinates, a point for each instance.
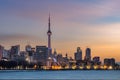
(74, 23)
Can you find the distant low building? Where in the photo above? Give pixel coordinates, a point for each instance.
(109, 61)
(96, 60)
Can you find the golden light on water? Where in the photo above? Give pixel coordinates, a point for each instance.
(110, 67)
(74, 67)
(102, 67)
(67, 67)
(81, 67)
(88, 67)
(56, 67)
(35, 66)
(105, 67)
(95, 66)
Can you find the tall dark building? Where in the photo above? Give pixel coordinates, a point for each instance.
(55, 54)
(88, 54)
(28, 48)
(60, 58)
(41, 54)
(49, 33)
(78, 54)
(1, 51)
(29, 52)
(15, 50)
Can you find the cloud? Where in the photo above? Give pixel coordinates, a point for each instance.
(82, 11)
(18, 38)
(14, 36)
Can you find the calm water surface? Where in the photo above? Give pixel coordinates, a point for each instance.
(76, 74)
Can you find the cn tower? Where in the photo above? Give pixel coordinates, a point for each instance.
(49, 33)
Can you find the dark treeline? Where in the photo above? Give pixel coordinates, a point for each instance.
(24, 65)
(19, 65)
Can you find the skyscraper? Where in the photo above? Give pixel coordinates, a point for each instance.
(88, 54)
(15, 50)
(1, 51)
(28, 48)
(49, 33)
(29, 51)
(41, 54)
(78, 54)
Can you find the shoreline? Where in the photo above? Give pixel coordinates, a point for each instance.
(59, 69)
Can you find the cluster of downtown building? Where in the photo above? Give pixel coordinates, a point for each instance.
(42, 57)
(39, 55)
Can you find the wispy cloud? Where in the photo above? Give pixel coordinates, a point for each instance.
(64, 10)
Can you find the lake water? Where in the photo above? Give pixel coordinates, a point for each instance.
(64, 75)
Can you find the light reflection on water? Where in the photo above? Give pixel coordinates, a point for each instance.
(60, 75)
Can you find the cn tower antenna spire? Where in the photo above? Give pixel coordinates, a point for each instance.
(49, 22)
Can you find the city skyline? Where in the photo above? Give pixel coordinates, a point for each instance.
(73, 25)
